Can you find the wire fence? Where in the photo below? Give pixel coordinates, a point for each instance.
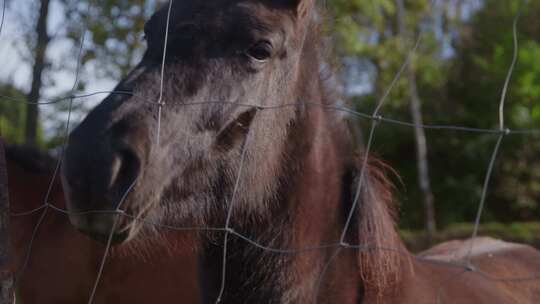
(375, 118)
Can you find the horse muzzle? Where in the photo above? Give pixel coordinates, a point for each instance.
(100, 170)
(103, 226)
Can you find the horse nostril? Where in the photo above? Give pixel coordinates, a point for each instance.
(125, 169)
(116, 166)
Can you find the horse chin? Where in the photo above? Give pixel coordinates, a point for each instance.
(113, 239)
(110, 228)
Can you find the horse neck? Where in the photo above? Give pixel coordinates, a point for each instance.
(319, 211)
(306, 210)
(319, 205)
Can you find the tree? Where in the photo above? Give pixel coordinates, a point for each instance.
(457, 75)
(415, 106)
(485, 48)
(382, 33)
(112, 45)
(39, 65)
(115, 32)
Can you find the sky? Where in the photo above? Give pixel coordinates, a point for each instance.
(17, 71)
(12, 41)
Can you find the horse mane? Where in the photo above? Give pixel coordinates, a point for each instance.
(31, 159)
(381, 249)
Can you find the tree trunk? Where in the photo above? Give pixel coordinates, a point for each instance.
(6, 278)
(421, 155)
(415, 107)
(32, 110)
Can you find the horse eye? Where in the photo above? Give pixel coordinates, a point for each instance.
(260, 51)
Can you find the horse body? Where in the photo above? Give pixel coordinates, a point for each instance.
(499, 272)
(63, 263)
(29, 175)
(232, 152)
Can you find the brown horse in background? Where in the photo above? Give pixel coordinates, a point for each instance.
(272, 174)
(63, 263)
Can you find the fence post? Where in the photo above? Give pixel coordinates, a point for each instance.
(6, 278)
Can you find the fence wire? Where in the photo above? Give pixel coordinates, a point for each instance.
(228, 231)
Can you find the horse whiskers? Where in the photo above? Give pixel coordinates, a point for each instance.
(152, 243)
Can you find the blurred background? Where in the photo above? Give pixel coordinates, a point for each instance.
(456, 77)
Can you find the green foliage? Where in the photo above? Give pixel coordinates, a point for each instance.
(11, 114)
(113, 45)
(461, 66)
(115, 38)
(475, 85)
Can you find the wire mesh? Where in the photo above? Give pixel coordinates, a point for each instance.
(375, 118)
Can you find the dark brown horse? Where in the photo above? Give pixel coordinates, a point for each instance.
(233, 152)
(63, 263)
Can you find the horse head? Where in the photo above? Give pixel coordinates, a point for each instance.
(171, 142)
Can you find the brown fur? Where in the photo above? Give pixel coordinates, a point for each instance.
(52, 278)
(380, 264)
(299, 173)
(63, 263)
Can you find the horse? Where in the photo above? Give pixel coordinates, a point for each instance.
(62, 264)
(228, 126)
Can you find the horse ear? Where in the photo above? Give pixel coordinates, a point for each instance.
(236, 131)
(302, 7)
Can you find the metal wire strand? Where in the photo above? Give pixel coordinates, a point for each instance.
(228, 231)
(376, 115)
(303, 104)
(232, 202)
(109, 243)
(160, 102)
(58, 164)
(4, 4)
(496, 149)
